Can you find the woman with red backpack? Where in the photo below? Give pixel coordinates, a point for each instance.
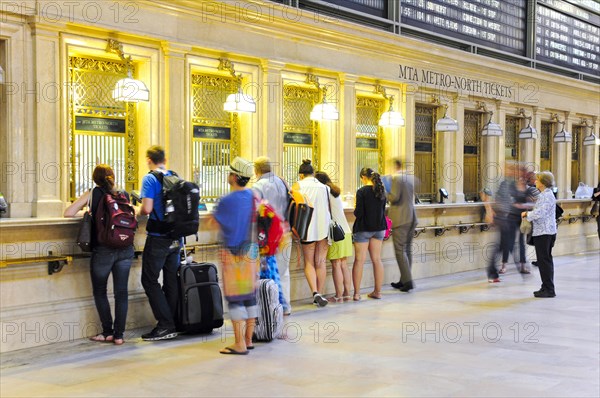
(106, 259)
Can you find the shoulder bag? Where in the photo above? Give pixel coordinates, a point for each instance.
(336, 232)
(84, 236)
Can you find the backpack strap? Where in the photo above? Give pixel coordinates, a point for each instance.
(159, 176)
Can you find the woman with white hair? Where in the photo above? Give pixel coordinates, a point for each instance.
(543, 218)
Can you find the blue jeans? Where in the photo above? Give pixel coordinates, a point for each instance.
(105, 261)
(161, 254)
(269, 270)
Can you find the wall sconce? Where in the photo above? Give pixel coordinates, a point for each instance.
(446, 123)
(390, 118)
(323, 110)
(562, 135)
(490, 128)
(238, 101)
(527, 133)
(590, 139)
(128, 89)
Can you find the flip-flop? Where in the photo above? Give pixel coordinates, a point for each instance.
(231, 351)
(370, 295)
(250, 347)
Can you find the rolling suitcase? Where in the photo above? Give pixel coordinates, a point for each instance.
(200, 307)
(269, 324)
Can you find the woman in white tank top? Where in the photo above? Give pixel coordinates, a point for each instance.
(315, 246)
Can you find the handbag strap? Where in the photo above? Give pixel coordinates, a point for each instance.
(89, 203)
(329, 202)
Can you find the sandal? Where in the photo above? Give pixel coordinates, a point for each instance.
(525, 271)
(347, 298)
(502, 269)
(118, 341)
(102, 338)
(334, 299)
(356, 297)
(374, 296)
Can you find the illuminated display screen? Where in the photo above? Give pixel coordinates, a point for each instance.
(493, 23)
(568, 35)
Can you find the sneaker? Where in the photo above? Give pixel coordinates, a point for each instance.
(320, 301)
(495, 280)
(160, 334)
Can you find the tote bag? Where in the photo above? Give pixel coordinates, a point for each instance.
(240, 273)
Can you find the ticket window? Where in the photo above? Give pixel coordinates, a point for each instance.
(473, 124)
(512, 128)
(576, 156)
(215, 134)
(369, 147)
(546, 134)
(425, 118)
(300, 134)
(101, 130)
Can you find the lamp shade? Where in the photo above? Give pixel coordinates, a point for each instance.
(491, 129)
(528, 133)
(591, 140)
(446, 124)
(324, 111)
(391, 119)
(130, 90)
(563, 136)
(239, 102)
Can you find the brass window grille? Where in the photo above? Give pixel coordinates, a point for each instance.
(369, 148)
(576, 156)
(300, 134)
(101, 130)
(425, 118)
(473, 123)
(215, 134)
(546, 135)
(511, 137)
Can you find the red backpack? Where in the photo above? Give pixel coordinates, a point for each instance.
(270, 229)
(115, 221)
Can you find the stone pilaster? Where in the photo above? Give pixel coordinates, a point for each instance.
(270, 106)
(561, 160)
(178, 139)
(46, 162)
(347, 129)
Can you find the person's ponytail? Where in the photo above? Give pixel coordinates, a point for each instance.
(378, 187)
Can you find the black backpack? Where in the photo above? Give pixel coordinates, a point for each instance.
(180, 200)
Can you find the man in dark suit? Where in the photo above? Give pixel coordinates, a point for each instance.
(404, 220)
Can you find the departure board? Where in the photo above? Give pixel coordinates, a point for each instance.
(568, 35)
(499, 24)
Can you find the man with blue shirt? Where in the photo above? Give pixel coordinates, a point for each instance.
(161, 253)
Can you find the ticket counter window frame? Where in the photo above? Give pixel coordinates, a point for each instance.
(300, 134)
(215, 135)
(369, 135)
(472, 176)
(101, 130)
(426, 116)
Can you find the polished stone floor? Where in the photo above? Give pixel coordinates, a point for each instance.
(454, 335)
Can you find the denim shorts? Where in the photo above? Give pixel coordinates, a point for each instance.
(242, 310)
(364, 236)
